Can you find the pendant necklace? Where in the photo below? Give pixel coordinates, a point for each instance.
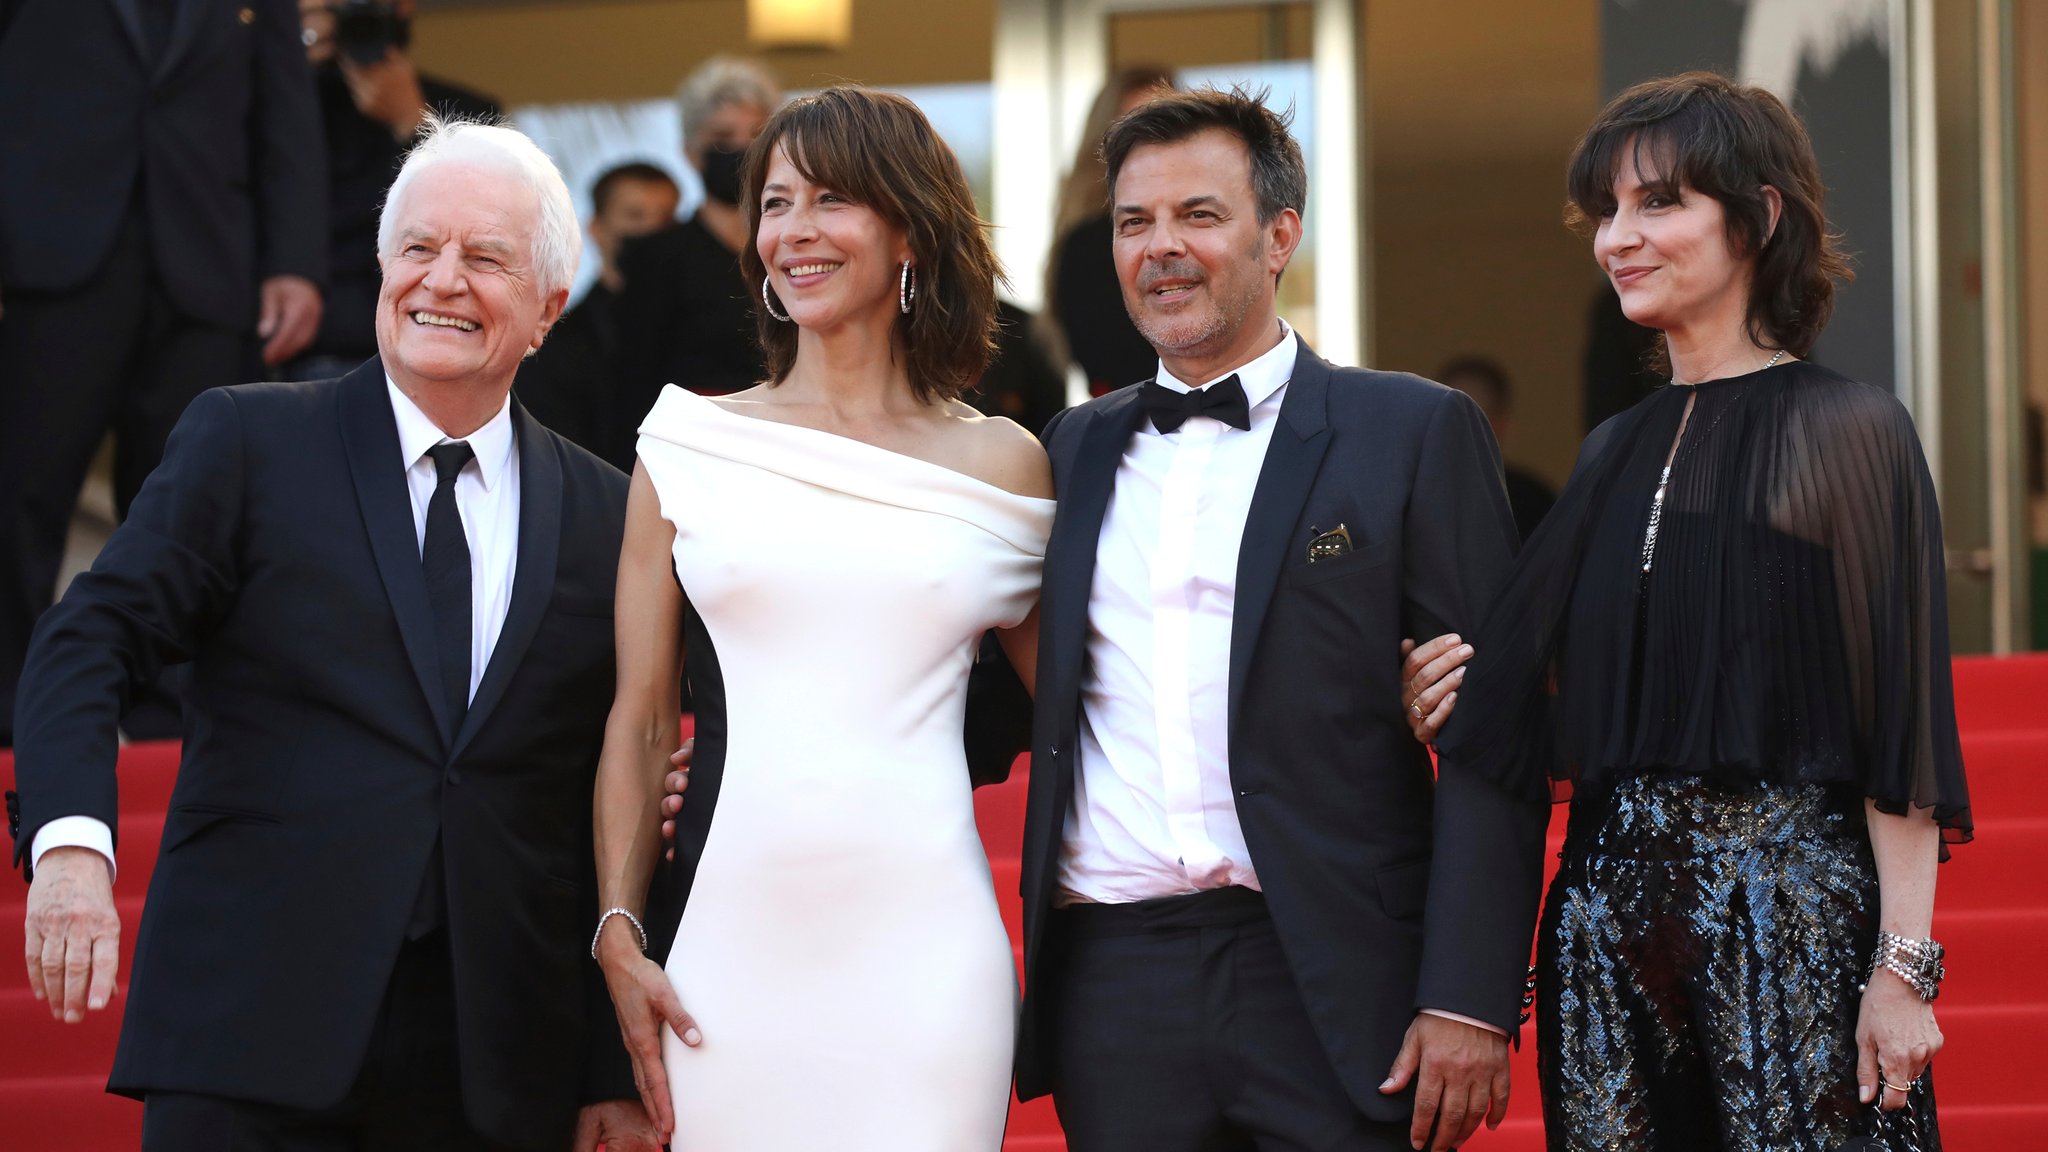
(1664, 482)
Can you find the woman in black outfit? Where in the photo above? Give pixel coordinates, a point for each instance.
(1728, 646)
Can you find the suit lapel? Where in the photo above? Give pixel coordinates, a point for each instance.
(184, 28)
(130, 12)
(1299, 442)
(369, 435)
(1077, 531)
(533, 576)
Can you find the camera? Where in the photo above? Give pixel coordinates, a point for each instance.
(364, 30)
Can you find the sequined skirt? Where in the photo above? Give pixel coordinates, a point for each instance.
(1698, 967)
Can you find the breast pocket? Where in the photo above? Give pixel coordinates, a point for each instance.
(1337, 567)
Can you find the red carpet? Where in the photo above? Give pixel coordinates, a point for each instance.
(1993, 916)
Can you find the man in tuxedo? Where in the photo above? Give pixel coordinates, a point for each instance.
(1252, 918)
(163, 199)
(367, 926)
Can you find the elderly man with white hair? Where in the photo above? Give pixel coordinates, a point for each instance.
(367, 928)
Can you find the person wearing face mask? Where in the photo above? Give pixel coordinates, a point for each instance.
(685, 312)
(572, 384)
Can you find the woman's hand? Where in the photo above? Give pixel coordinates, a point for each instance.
(1430, 675)
(644, 1001)
(1895, 1039)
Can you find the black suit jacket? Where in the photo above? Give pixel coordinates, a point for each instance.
(1390, 890)
(275, 550)
(219, 135)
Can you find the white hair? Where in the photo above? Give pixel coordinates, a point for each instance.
(720, 81)
(557, 238)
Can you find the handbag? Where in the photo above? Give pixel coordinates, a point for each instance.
(1889, 1132)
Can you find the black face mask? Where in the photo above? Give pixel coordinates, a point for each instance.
(721, 173)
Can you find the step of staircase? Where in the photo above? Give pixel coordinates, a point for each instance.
(1992, 915)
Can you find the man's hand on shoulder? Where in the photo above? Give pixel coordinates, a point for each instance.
(619, 1125)
(73, 945)
(1460, 1073)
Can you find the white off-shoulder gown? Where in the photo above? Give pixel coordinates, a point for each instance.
(841, 949)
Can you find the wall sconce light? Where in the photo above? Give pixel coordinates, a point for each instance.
(800, 23)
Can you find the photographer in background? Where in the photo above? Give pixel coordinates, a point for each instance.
(372, 101)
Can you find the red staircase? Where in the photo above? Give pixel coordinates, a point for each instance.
(1993, 915)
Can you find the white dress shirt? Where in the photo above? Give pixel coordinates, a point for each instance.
(487, 495)
(1154, 813)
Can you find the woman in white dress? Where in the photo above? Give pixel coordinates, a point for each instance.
(830, 547)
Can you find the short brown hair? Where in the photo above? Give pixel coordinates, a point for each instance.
(1279, 176)
(878, 149)
(1703, 131)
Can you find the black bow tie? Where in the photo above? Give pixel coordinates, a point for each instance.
(1224, 400)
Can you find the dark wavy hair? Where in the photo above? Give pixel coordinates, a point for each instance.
(1279, 177)
(878, 149)
(1704, 132)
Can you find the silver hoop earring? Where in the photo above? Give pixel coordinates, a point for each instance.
(906, 288)
(770, 304)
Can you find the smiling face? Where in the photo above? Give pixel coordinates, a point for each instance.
(1197, 267)
(1665, 247)
(461, 302)
(830, 261)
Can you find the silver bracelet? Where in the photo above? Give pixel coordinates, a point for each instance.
(1917, 962)
(630, 919)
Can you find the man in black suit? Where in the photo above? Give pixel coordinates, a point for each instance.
(1252, 918)
(367, 927)
(162, 199)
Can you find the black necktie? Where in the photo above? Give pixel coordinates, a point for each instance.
(445, 556)
(1224, 400)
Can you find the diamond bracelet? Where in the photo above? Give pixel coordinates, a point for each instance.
(630, 919)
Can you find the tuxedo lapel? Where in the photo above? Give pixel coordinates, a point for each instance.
(130, 12)
(533, 575)
(1077, 530)
(1299, 442)
(369, 434)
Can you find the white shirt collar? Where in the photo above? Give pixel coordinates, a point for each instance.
(1260, 378)
(492, 443)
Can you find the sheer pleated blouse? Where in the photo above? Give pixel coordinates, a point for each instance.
(1791, 626)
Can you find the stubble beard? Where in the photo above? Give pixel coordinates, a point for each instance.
(1218, 324)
